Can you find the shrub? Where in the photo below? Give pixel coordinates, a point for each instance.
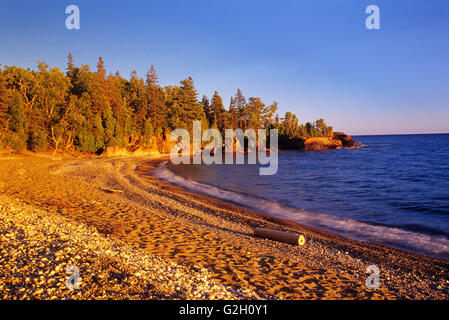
(37, 140)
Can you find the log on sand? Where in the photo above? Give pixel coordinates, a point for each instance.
(111, 190)
(287, 237)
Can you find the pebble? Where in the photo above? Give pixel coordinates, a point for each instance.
(43, 269)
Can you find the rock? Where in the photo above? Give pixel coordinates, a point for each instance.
(38, 291)
(345, 139)
(321, 143)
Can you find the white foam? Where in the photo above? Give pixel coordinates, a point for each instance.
(432, 245)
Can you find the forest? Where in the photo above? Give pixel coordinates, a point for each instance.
(81, 110)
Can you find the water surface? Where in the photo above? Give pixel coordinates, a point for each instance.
(393, 192)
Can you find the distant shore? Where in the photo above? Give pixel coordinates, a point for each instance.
(127, 209)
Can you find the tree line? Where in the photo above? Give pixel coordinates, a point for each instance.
(87, 111)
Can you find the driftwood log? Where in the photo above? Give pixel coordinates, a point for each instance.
(281, 236)
(111, 190)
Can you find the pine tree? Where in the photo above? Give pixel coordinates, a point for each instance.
(117, 97)
(241, 108)
(289, 125)
(269, 115)
(101, 71)
(207, 110)
(191, 109)
(91, 111)
(157, 111)
(109, 126)
(255, 112)
(98, 89)
(218, 112)
(70, 66)
(233, 114)
(148, 132)
(152, 77)
(138, 101)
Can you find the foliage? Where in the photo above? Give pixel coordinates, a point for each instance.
(89, 111)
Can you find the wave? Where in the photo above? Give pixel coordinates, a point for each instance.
(432, 245)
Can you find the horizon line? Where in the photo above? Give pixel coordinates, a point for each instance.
(398, 134)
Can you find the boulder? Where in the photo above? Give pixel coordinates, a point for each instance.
(321, 143)
(346, 140)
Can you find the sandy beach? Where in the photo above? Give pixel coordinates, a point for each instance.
(133, 236)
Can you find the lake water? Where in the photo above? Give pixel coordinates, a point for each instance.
(395, 191)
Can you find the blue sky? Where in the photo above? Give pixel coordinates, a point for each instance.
(316, 58)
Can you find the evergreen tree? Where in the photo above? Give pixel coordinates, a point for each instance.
(241, 108)
(148, 132)
(137, 97)
(89, 111)
(289, 125)
(191, 109)
(70, 66)
(157, 110)
(233, 114)
(207, 110)
(109, 127)
(101, 71)
(255, 113)
(218, 112)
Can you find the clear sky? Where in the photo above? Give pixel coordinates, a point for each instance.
(316, 58)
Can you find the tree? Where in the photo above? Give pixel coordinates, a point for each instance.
(321, 129)
(289, 125)
(109, 126)
(207, 110)
(269, 115)
(16, 139)
(233, 114)
(157, 110)
(309, 129)
(52, 90)
(70, 66)
(53, 105)
(101, 71)
(255, 112)
(138, 102)
(37, 139)
(218, 113)
(3, 103)
(24, 82)
(89, 111)
(189, 109)
(148, 132)
(122, 113)
(241, 108)
(152, 77)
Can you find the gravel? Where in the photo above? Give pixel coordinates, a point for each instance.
(41, 252)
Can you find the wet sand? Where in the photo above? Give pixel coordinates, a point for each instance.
(120, 200)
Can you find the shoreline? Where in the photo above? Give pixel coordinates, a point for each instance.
(180, 226)
(291, 225)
